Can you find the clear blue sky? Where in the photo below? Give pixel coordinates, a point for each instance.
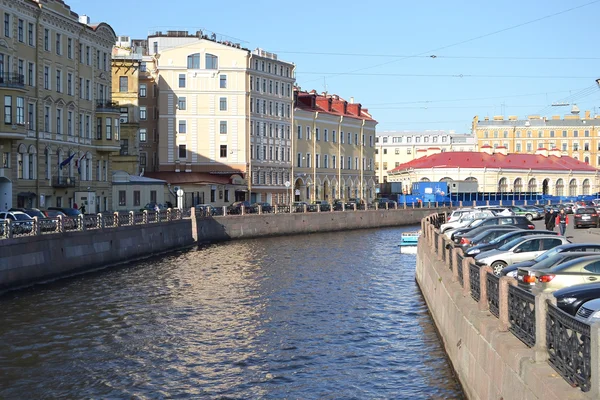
(518, 71)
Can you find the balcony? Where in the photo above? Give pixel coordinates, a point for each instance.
(12, 81)
(107, 106)
(63, 182)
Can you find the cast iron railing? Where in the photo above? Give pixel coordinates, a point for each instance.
(521, 314)
(474, 276)
(568, 344)
(459, 267)
(493, 288)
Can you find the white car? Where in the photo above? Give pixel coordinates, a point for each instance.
(465, 219)
(521, 249)
(21, 222)
(456, 214)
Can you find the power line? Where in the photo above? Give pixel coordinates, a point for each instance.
(449, 107)
(471, 39)
(433, 56)
(333, 74)
(472, 99)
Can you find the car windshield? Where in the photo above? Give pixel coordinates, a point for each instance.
(22, 217)
(510, 245)
(35, 213)
(549, 261)
(547, 254)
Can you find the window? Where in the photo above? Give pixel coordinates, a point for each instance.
(124, 147)
(212, 61)
(123, 84)
(193, 61)
(8, 110)
(182, 151)
(58, 44)
(59, 127)
(47, 78)
(30, 74)
(223, 151)
(182, 126)
(47, 39)
(122, 198)
(223, 82)
(70, 48)
(31, 116)
(70, 123)
(143, 113)
(143, 134)
(99, 128)
(58, 80)
(181, 80)
(143, 89)
(143, 67)
(108, 128)
(88, 55)
(30, 40)
(20, 31)
(136, 198)
(70, 84)
(564, 133)
(223, 104)
(223, 127)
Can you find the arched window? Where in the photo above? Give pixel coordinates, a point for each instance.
(573, 187)
(518, 185)
(212, 61)
(586, 160)
(560, 187)
(425, 180)
(446, 179)
(193, 61)
(21, 155)
(586, 187)
(503, 185)
(532, 185)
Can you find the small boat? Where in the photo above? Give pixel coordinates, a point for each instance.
(408, 242)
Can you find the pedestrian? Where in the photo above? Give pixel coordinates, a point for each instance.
(156, 208)
(552, 221)
(82, 209)
(547, 218)
(562, 219)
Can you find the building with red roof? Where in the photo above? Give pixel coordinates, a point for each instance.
(495, 170)
(333, 148)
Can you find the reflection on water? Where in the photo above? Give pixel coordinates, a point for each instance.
(324, 316)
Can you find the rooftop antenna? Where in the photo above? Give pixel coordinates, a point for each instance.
(325, 84)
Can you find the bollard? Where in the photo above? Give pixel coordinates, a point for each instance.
(131, 218)
(145, 217)
(100, 222)
(259, 209)
(36, 226)
(116, 218)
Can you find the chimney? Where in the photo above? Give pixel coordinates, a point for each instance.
(587, 114)
(555, 152)
(84, 19)
(486, 148)
(542, 151)
(501, 150)
(351, 100)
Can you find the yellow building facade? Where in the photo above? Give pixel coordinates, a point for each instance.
(333, 149)
(59, 124)
(572, 135)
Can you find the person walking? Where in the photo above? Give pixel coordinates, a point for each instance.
(547, 218)
(552, 221)
(562, 219)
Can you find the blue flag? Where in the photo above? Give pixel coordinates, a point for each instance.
(67, 161)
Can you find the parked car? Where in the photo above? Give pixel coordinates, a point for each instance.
(531, 213)
(21, 222)
(465, 219)
(208, 210)
(46, 224)
(587, 247)
(520, 249)
(338, 205)
(586, 216)
(569, 299)
(524, 273)
(152, 207)
(68, 211)
(265, 207)
(502, 240)
(519, 222)
(353, 201)
(299, 206)
(322, 205)
(589, 312)
(574, 272)
(456, 214)
(485, 235)
(236, 207)
(382, 203)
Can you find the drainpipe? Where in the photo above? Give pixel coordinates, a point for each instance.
(362, 166)
(340, 157)
(314, 131)
(37, 96)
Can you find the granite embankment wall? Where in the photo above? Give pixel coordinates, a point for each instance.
(31, 259)
(490, 362)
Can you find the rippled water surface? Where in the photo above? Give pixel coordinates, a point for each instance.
(324, 316)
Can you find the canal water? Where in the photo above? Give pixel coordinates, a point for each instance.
(322, 316)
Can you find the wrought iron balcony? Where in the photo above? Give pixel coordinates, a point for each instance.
(63, 182)
(107, 106)
(12, 80)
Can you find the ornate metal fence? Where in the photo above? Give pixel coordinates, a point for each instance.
(568, 343)
(521, 314)
(493, 288)
(459, 267)
(474, 276)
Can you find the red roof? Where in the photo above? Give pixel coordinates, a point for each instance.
(472, 159)
(330, 104)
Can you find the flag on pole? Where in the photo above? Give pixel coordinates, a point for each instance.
(78, 164)
(67, 161)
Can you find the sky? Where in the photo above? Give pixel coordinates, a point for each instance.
(417, 65)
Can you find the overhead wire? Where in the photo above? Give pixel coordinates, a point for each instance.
(470, 39)
(329, 74)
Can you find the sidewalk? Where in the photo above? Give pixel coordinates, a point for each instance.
(581, 235)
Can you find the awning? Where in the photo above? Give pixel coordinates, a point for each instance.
(26, 194)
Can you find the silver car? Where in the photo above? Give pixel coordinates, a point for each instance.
(589, 312)
(517, 250)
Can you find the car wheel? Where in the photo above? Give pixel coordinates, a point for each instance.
(497, 267)
(529, 217)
